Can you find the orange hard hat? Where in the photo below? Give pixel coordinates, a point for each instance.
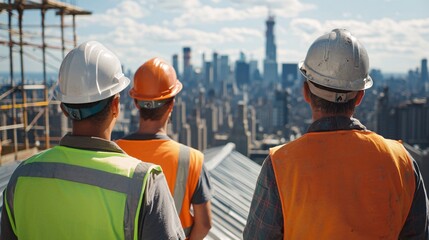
(155, 80)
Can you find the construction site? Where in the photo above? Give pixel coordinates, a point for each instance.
(30, 120)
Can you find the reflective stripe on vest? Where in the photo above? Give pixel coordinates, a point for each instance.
(132, 187)
(181, 177)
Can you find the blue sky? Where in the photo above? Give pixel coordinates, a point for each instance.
(395, 32)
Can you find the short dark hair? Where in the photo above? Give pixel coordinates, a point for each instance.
(98, 117)
(155, 114)
(332, 107)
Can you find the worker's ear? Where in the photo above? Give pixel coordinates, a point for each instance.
(115, 106)
(359, 97)
(306, 92)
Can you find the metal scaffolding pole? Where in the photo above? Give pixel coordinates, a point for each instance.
(74, 31)
(24, 93)
(12, 84)
(47, 130)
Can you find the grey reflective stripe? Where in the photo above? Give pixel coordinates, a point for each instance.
(132, 187)
(187, 231)
(181, 177)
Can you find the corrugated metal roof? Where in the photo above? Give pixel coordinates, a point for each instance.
(6, 171)
(233, 177)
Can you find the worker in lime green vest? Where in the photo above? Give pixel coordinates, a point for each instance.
(87, 187)
(339, 180)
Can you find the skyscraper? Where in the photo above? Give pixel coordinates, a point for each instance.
(424, 75)
(270, 61)
(187, 67)
(289, 74)
(176, 64)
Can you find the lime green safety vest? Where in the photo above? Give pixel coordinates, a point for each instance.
(68, 193)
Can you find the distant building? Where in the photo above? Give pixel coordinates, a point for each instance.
(240, 134)
(280, 109)
(176, 64)
(242, 73)
(424, 75)
(270, 61)
(215, 66)
(224, 67)
(187, 67)
(289, 74)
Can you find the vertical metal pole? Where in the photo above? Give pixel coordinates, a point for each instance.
(63, 47)
(12, 84)
(47, 130)
(24, 94)
(74, 31)
(64, 120)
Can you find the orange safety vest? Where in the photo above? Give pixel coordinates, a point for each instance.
(343, 185)
(182, 175)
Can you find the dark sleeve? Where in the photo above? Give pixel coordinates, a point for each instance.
(158, 217)
(265, 220)
(203, 191)
(6, 228)
(416, 225)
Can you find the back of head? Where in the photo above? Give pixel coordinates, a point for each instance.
(89, 76)
(155, 83)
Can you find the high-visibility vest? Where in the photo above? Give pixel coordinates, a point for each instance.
(68, 193)
(343, 185)
(180, 164)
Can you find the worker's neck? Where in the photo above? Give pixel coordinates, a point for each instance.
(88, 129)
(152, 127)
(318, 114)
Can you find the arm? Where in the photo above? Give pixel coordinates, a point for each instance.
(158, 217)
(265, 220)
(6, 228)
(416, 225)
(202, 221)
(202, 207)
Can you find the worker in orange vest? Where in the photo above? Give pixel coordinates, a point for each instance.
(339, 180)
(155, 86)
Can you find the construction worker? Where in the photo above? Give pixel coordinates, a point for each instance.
(154, 89)
(87, 187)
(339, 180)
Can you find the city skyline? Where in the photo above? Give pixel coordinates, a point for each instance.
(396, 33)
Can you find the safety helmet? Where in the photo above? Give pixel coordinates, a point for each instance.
(337, 60)
(89, 73)
(154, 82)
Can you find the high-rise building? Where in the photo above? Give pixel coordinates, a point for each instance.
(224, 67)
(280, 109)
(176, 64)
(187, 67)
(242, 73)
(215, 67)
(270, 61)
(289, 74)
(240, 134)
(424, 75)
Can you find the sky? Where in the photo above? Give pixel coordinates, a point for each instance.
(394, 32)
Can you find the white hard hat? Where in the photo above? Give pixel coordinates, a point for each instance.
(89, 73)
(337, 60)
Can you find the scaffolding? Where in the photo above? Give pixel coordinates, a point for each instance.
(16, 96)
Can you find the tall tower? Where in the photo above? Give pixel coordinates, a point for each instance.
(424, 75)
(270, 61)
(270, 45)
(176, 64)
(187, 67)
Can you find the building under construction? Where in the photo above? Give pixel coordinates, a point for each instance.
(29, 119)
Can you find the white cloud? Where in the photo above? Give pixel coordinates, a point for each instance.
(384, 39)
(129, 9)
(172, 5)
(208, 14)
